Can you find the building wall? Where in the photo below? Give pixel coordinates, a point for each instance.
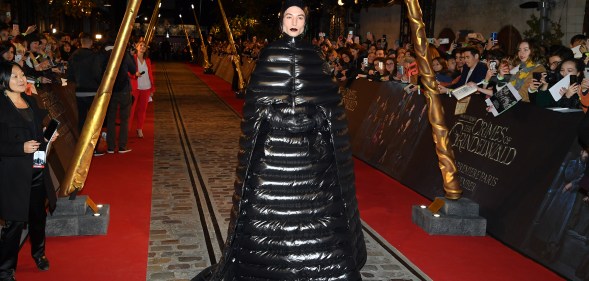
(381, 21)
(484, 16)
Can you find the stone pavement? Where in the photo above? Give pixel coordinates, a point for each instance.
(196, 142)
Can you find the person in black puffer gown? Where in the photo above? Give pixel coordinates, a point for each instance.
(295, 214)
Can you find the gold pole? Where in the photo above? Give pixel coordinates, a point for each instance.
(436, 111)
(236, 60)
(187, 39)
(203, 48)
(80, 164)
(152, 22)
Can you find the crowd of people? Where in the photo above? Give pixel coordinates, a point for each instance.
(33, 60)
(473, 61)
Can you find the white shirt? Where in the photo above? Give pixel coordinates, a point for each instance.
(143, 82)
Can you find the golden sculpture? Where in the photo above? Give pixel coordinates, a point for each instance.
(187, 39)
(206, 64)
(435, 110)
(235, 55)
(152, 22)
(77, 172)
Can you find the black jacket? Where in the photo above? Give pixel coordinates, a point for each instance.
(85, 68)
(16, 167)
(128, 66)
(295, 214)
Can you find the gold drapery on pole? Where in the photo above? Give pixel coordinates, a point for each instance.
(77, 172)
(235, 55)
(435, 110)
(187, 39)
(206, 64)
(152, 22)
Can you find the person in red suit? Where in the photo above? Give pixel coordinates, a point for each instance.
(143, 86)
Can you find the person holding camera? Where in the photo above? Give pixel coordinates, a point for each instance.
(25, 186)
(572, 96)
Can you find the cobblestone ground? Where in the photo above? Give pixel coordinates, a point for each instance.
(206, 131)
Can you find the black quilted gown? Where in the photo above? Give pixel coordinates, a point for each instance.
(295, 214)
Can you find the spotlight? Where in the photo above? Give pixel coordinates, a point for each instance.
(97, 215)
(99, 206)
(436, 215)
(54, 30)
(423, 206)
(98, 36)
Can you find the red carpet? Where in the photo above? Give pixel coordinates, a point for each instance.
(386, 205)
(122, 181)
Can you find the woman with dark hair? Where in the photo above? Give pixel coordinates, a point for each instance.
(7, 51)
(440, 68)
(65, 51)
(530, 60)
(24, 185)
(295, 215)
(574, 96)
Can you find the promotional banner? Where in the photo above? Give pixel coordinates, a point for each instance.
(522, 167)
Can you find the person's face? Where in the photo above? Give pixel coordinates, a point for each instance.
(254, 39)
(9, 55)
(584, 155)
(568, 68)
(18, 80)
(293, 22)
(436, 66)
(451, 64)
(332, 56)
(371, 57)
(34, 46)
(141, 47)
(4, 35)
(470, 60)
(523, 51)
(553, 62)
(345, 58)
(354, 52)
(67, 47)
(324, 48)
(372, 49)
(380, 53)
(390, 65)
(459, 60)
(42, 43)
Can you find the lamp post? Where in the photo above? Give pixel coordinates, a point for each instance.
(206, 63)
(187, 39)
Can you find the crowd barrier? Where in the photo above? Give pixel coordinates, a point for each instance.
(522, 167)
(60, 102)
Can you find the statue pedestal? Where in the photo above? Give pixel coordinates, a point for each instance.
(456, 217)
(74, 218)
(209, 70)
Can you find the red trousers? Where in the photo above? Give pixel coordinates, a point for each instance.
(139, 109)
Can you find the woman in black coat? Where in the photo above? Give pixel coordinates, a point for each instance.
(23, 191)
(295, 215)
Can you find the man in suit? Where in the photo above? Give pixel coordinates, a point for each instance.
(473, 71)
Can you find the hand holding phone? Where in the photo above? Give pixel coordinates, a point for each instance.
(573, 79)
(537, 76)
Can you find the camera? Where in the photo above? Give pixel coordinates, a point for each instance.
(551, 78)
